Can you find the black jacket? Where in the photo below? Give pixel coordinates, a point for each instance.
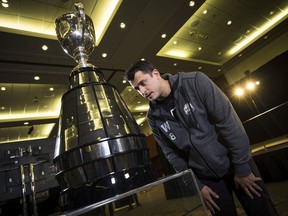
(204, 117)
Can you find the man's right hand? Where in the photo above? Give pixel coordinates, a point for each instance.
(208, 194)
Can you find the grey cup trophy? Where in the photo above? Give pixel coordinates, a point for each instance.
(99, 142)
(76, 35)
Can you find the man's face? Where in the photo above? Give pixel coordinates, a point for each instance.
(148, 85)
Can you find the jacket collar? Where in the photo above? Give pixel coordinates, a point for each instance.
(173, 81)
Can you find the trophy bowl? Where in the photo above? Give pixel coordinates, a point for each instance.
(76, 34)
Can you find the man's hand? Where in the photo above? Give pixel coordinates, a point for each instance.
(248, 183)
(207, 194)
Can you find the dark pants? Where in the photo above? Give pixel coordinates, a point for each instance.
(224, 187)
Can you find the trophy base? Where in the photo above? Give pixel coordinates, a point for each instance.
(106, 187)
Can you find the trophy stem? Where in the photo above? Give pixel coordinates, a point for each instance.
(81, 56)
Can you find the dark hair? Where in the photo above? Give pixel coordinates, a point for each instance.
(144, 66)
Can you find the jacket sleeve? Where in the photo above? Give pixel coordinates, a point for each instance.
(223, 116)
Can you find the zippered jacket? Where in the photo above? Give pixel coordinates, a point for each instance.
(206, 135)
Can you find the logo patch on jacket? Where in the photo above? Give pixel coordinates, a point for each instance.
(187, 108)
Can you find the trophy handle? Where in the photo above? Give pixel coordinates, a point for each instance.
(79, 7)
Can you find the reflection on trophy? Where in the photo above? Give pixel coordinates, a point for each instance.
(100, 150)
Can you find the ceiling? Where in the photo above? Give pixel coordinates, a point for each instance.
(205, 42)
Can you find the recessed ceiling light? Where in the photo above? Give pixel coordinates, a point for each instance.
(191, 3)
(219, 70)
(36, 78)
(142, 59)
(205, 12)
(104, 55)
(163, 36)
(51, 89)
(199, 67)
(3, 88)
(175, 64)
(5, 5)
(199, 48)
(175, 42)
(44, 47)
(3, 108)
(229, 22)
(122, 25)
(219, 53)
(4, 1)
(124, 81)
(26, 123)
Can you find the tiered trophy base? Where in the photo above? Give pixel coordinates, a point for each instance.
(177, 194)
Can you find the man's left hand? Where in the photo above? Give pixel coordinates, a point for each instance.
(249, 184)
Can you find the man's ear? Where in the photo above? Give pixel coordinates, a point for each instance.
(156, 73)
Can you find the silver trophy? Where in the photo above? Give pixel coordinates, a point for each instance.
(76, 35)
(100, 150)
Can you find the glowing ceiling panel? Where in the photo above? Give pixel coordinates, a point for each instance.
(15, 18)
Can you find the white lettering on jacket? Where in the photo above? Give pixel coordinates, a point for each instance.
(166, 127)
(172, 136)
(187, 108)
